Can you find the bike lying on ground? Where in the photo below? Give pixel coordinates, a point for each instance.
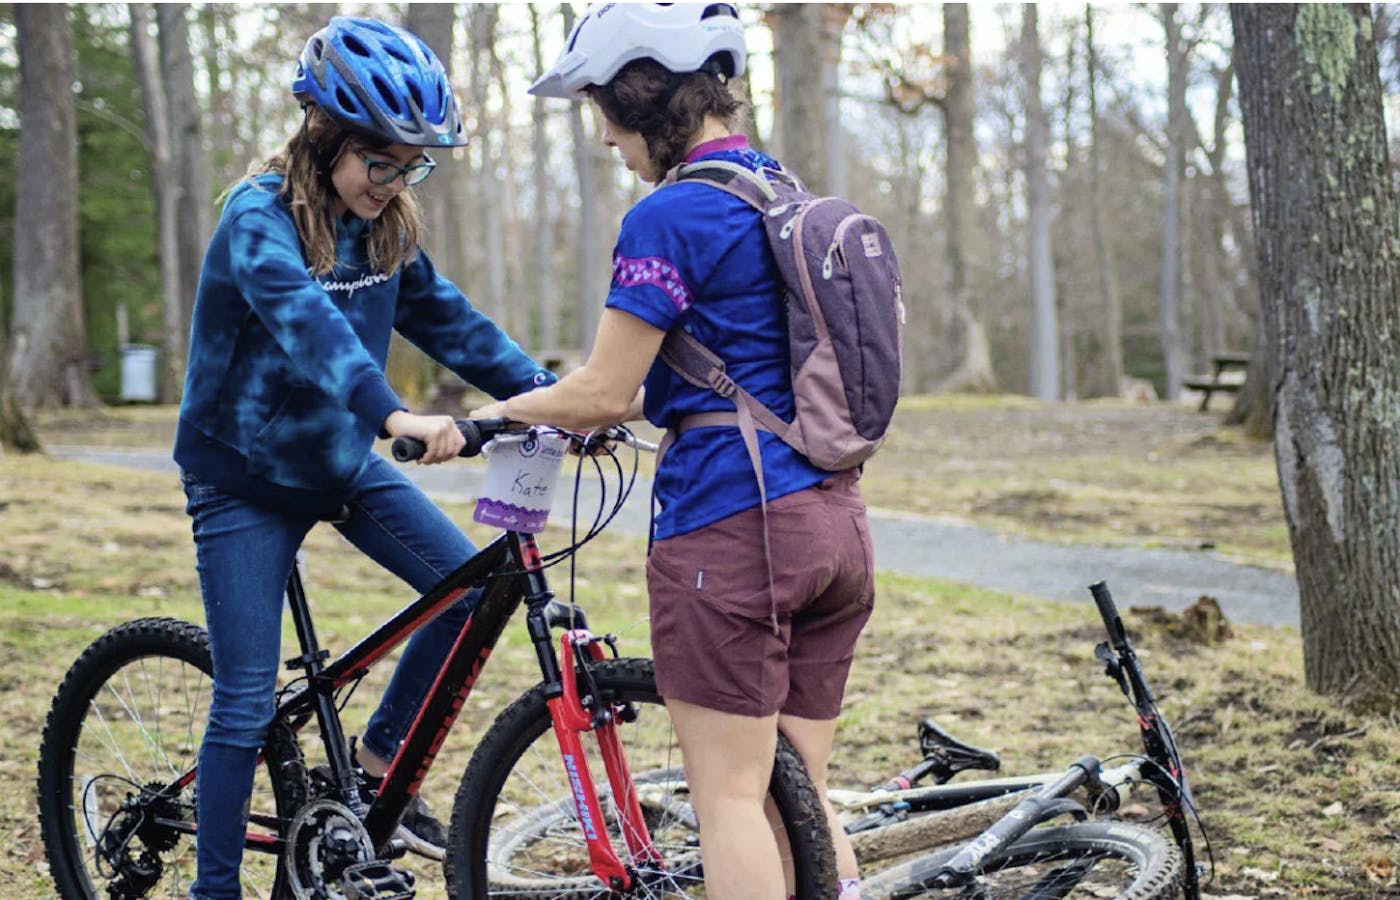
(1008, 849)
(117, 770)
(976, 839)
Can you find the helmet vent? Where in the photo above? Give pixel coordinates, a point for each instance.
(354, 45)
(417, 95)
(386, 94)
(398, 54)
(345, 100)
(719, 9)
(318, 48)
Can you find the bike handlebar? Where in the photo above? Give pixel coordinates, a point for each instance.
(476, 432)
(479, 432)
(1117, 636)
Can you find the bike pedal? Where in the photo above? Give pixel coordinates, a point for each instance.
(376, 880)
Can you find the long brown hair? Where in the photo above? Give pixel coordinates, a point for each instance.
(667, 109)
(393, 236)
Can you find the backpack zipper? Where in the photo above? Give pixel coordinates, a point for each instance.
(836, 241)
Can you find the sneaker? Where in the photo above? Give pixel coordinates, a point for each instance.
(420, 830)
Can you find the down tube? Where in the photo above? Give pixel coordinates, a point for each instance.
(440, 708)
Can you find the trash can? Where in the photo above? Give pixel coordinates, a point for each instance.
(138, 373)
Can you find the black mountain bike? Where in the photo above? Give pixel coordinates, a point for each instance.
(117, 769)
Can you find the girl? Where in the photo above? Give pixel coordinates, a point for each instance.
(695, 256)
(315, 259)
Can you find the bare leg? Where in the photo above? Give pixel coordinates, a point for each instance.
(728, 763)
(813, 739)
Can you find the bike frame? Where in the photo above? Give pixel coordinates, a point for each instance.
(511, 571)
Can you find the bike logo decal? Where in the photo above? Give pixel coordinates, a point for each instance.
(585, 816)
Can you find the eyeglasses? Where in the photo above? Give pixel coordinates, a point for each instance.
(381, 172)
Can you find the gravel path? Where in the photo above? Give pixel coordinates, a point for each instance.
(920, 545)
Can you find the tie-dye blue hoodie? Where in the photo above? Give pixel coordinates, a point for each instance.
(285, 388)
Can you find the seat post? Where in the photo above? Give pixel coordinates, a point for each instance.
(312, 661)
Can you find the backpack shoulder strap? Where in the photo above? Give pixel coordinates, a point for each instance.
(750, 186)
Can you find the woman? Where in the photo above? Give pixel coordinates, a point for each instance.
(692, 256)
(315, 261)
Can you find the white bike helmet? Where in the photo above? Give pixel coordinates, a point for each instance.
(680, 36)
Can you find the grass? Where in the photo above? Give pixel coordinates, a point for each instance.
(1301, 799)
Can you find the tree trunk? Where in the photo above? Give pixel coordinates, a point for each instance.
(967, 351)
(513, 314)
(1169, 293)
(409, 368)
(15, 431)
(187, 150)
(800, 36)
(1107, 380)
(546, 291)
(1325, 216)
(49, 342)
(589, 272)
(1045, 330)
(482, 25)
(223, 122)
(833, 26)
(174, 332)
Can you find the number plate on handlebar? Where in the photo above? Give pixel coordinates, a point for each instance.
(518, 489)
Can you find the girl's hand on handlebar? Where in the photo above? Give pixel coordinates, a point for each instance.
(438, 433)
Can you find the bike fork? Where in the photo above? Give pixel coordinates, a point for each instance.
(573, 715)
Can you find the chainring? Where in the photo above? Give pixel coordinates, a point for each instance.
(324, 839)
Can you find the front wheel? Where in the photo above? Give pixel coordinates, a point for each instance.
(515, 832)
(124, 730)
(1086, 859)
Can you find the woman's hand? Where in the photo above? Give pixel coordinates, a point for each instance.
(495, 410)
(438, 433)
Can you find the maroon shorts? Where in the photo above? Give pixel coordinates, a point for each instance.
(711, 611)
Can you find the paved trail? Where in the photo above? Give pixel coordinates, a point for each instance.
(920, 545)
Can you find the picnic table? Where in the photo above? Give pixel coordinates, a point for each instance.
(1216, 382)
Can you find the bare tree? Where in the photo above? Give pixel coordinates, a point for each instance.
(589, 261)
(1044, 343)
(800, 35)
(1170, 292)
(1328, 228)
(481, 24)
(545, 285)
(174, 327)
(188, 153)
(1108, 366)
(409, 367)
(49, 337)
(15, 431)
(965, 340)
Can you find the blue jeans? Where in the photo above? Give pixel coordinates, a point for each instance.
(245, 555)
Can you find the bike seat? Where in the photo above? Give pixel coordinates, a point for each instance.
(950, 755)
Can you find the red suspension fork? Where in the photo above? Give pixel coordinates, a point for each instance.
(571, 719)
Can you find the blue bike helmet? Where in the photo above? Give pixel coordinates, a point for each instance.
(379, 81)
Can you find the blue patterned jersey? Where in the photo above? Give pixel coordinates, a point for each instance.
(697, 256)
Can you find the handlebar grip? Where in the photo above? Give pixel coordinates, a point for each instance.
(475, 432)
(1109, 611)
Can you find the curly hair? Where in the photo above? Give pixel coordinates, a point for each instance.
(393, 236)
(666, 108)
